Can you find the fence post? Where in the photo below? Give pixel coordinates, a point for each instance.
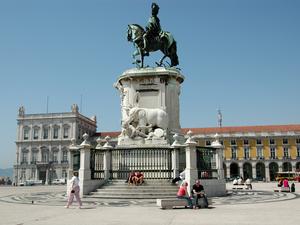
(175, 155)
(219, 156)
(72, 149)
(85, 170)
(191, 173)
(107, 157)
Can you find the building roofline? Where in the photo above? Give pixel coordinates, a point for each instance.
(262, 130)
(36, 116)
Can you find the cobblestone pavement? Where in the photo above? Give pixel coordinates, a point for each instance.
(59, 198)
(260, 207)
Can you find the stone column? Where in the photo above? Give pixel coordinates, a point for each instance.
(191, 173)
(253, 170)
(47, 176)
(37, 174)
(267, 171)
(228, 170)
(241, 170)
(85, 161)
(279, 166)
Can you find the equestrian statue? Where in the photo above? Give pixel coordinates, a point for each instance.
(152, 39)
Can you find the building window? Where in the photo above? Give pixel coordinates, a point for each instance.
(23, 174)
(286, 152)
(55, 132)
(272, 142)
(45, 156)
(66, 132)
(233, 153)
(207, 143)
(285, 141)
(246, 142)
(34, 157)
(298, 141)
(24, 157)
(33, 173)
(64, 174)
(298, 151)
(35, 133)
(65, 156)
(259, 152)
(246, 153)
(273, 153)
(233, 142)
(45, 132)
(258, 141)
(54, 156)
(26, 133)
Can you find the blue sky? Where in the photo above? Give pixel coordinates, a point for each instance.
(242, 56)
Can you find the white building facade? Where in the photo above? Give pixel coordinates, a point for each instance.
(42, 143)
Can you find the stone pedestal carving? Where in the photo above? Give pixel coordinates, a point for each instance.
(149, 105)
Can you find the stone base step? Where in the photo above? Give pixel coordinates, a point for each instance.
(151, 189)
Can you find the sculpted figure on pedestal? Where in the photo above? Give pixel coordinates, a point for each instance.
(142, 122)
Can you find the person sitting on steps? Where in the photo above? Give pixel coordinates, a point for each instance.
(139, 178)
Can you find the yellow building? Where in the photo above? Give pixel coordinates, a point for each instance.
(256, 152)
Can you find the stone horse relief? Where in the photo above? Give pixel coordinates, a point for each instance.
(152, 39)
(145, 123)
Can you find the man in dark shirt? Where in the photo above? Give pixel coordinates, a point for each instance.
(198, 191)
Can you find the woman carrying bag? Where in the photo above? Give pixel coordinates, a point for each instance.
(74, 190)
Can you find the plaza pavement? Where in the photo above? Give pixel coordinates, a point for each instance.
(47, 209)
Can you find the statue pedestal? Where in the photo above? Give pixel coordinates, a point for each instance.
(149, 105)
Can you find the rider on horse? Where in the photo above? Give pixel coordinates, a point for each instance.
(153, 28)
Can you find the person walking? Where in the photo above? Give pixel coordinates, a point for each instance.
(74, 191)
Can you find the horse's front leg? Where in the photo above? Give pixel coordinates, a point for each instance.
(141, 53)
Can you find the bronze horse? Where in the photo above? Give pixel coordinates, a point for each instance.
(165, 43)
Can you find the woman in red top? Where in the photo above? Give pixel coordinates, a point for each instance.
(183, 194)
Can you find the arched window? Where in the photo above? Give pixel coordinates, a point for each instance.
(247, 171)
(260, 171)
(286, 166)
(234, 170)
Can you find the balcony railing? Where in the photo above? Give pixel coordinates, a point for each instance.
(286, 157)
(260, 157)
